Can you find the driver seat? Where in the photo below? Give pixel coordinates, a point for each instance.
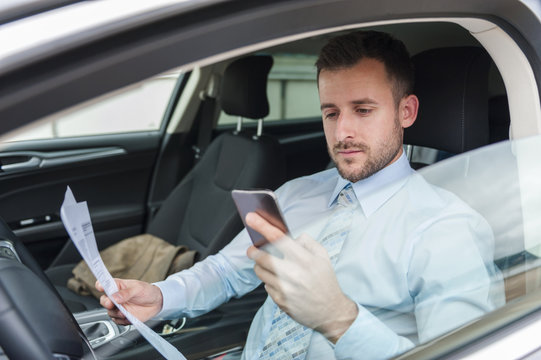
(452, 87)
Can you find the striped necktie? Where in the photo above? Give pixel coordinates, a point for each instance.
(287, 339)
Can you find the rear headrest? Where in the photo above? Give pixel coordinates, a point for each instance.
(452, 86)
(244, 87)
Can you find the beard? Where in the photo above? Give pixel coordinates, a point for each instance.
(378, 156)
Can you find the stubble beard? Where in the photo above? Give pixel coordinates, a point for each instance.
(386, 151)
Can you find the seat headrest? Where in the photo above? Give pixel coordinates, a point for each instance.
(452, 87)
(244, 87)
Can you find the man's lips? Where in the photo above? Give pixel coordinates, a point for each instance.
(349, 152)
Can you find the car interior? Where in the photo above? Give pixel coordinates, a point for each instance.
(228, 125)
(233, 160)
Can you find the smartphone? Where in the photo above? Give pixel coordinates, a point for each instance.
(265, 204)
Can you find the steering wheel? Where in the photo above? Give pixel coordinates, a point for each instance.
(34, 322)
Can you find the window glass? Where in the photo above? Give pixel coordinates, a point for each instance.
(136, 108)
(501, 182)
(291, 89)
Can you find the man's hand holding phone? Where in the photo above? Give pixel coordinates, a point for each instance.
(264, 203)
(302, 282)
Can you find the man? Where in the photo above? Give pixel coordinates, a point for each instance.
(370, 268)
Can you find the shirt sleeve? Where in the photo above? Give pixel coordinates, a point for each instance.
(452, 280)
(209, 283)
(376, 340)
(452, 277)
(213, 281)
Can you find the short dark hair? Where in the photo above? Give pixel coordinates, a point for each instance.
(345, 51)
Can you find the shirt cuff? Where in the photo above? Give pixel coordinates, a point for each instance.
(170, 301)
(369, 338)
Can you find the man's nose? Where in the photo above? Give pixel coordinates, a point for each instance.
(345, 127)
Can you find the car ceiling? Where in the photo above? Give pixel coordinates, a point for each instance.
(417, 37)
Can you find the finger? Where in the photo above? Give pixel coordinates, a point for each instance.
(113, 312)
(265, 260)
(106, 302)
(118, 317)
(127, 290)
(261, 257)
(276, 237)
(268, 277)
(119, 284)
(265, 228)
(313, 247)
(116, 314)
(122, 321)
(278, 297)
(253, 252)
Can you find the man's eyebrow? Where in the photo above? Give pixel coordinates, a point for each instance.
(326, 106)
(364, 101)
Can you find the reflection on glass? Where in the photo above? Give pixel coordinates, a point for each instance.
(502, 182)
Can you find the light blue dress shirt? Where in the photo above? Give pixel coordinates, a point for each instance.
(417, 262)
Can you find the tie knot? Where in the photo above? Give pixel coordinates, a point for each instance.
(347, 196)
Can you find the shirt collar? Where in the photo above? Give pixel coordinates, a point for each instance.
(375, 190)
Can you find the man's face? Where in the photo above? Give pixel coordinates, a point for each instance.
(363, 126)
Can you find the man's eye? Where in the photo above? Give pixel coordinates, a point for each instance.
(331, 115)
(364, 111)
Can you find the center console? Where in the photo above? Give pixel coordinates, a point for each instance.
(223, 328)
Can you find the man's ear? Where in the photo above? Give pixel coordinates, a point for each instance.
(408, 109)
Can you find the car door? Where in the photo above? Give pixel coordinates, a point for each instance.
(104, 150)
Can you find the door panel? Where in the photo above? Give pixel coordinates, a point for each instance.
(110, 172)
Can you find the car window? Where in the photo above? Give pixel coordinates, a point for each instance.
(291, 89)
(139, 107)
(500, 182)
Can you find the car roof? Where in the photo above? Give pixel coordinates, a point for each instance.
(62, 23)
(11, 10)
(115, 50)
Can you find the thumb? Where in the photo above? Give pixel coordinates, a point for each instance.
(122, 296)
(127, 290)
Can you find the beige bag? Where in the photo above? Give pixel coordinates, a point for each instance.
(142, 257)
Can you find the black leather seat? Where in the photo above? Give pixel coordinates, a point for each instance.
(498, 118)
(201, 204)
(199, 212)
(452, 86)
(456, 115)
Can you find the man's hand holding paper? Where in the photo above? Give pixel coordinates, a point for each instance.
(141, 299)
(76, 219)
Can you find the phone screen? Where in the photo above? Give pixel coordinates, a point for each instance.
(265, 204)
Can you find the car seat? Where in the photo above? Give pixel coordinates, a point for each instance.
(199, 212)
(452, 87)
(456, 116)
(498, 117)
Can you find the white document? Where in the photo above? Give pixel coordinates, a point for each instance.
(76, 219)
